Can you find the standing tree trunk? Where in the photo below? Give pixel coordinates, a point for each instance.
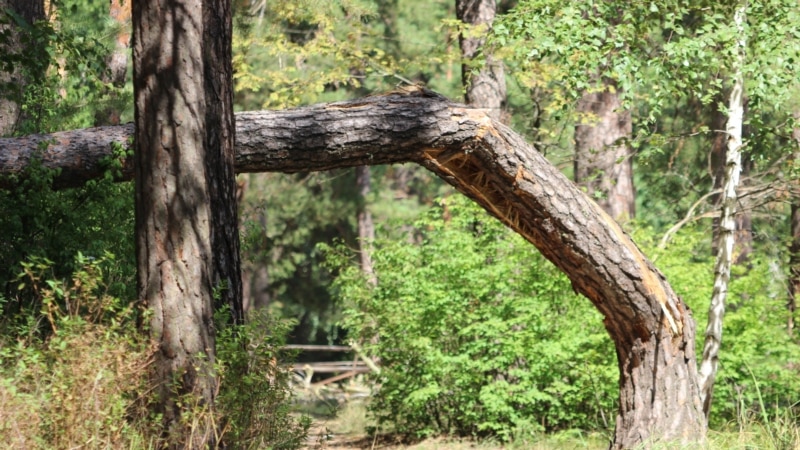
(116, 63)
(486, 87)
(10, 112)
(366, 227)
(186, 223)
(603, 163)
(727, 227)
(743, 236)
(794, 246)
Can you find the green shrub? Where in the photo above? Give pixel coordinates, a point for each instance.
(75, 370)
(74, 380)
(758, 358)
(476, 333)
(255, 398)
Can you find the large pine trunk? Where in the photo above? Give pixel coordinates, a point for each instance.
(603, 157)
(651, 327)
(186, 224)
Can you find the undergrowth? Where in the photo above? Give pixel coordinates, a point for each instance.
(75, 371)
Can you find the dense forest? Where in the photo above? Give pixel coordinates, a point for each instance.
(533, 218)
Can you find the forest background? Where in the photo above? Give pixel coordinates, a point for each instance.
(478, 334)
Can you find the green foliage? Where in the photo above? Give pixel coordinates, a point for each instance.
(80, 381)
(84, 377)
(476, 333)
(55, 69)
(56, 225)
(254, 397)
(758, 360)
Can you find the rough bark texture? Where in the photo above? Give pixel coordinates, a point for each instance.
(603, 163)
(486, 87)
(184, 196)
(651, 327)
(727, 225)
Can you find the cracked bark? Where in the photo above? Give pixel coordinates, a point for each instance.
(652, 329)
(186, 224)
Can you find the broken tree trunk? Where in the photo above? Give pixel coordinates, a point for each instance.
(652, 329)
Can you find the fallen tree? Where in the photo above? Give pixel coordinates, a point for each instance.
(652, 329)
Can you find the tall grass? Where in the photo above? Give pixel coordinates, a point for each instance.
(75, 372)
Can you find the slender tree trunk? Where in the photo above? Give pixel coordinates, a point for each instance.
(366, 228)
(651, 327)
(10, 112)
(794, 246)
(727, 228)
(603, 157)
(186, 223)
(116, 63)
(485, 84)
(743, 236)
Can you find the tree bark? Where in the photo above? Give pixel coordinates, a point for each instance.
(186, 225)
(10, 112)
(116, 63)
(794, 230)
(486, 86)
(603, 160)
(651, 327)
(727, 224)
(366, 227)
(743, 236)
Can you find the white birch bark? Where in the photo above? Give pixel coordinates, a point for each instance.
(722, 269)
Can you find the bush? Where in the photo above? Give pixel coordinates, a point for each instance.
(75, 371)
(758, 358)
(476, 333)
(76, 380)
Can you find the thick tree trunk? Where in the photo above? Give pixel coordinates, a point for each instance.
(485, 85)
(727, 224)
(603, 158)
(186, 229)
(651, 327)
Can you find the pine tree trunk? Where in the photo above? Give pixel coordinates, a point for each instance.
(116, 63)
(10, 112)
(794, 231)
(485, 85)
(603, 158)
(652, 329)
(727, 226)
(186, 224)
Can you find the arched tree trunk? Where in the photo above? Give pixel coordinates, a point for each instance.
(186, 224)
(652, 329)
(603, 157)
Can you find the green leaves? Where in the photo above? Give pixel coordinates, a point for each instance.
(476, 333)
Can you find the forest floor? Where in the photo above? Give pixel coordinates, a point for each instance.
(345, 428)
